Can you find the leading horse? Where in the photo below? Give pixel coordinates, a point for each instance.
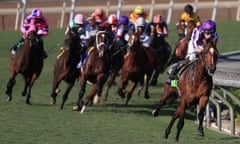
(65, 67)
(28, 61)
(195, 84)
(96, 70)
(135, 67)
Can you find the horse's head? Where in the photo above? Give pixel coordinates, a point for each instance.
(101, 42)
(209, 56)
(71, 36)
(190, 25)
(133, 41)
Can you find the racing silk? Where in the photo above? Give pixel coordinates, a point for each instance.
(92, 30)
(83, 34)
(193, 17)
(162, 29)
(40, 24)
(98, 19)
(122, 33)
(134, 17)
(196, 41)
(146, 40)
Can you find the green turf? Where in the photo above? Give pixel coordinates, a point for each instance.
(111, 123)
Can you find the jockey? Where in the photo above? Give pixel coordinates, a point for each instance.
(144, 38)
(91, 28)
(122, 32)
(187, 16)
(160, 28)
(138, 12)
(37, 19)
(79, 24)
(206, 31)
(99, 15)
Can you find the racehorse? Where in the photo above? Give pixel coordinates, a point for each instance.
(65, 65)
(28, 61)
(181, 47)
(95, 70)
(135, 67)
(195, 84)
(161, 54)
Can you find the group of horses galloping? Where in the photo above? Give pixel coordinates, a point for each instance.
(104, 64)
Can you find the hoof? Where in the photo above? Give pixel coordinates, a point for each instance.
(201, 134)
(96, 100)
(9, 98)
(76, 108)
(155, 113)
(146, 96)
(28, 102)
(153, 83)
(52, 101)
(83, 109)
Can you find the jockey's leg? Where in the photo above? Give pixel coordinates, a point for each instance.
(17, 46)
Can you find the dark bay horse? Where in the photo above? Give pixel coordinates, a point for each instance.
(116, 60)
(65, 65)
(161, 54)
(28, 61)
(181, 47)
(195, 84)
(135, 67)
(95, 70)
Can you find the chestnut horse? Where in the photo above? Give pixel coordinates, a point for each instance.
(195, 84)
(161, 54)
(95, 70)
(28, 61)
(65, 65)
(181, 48)
(135, 67)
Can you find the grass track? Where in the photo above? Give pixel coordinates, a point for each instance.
(112, 123)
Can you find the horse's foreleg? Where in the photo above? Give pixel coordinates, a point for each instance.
(180, 124)
(179, 113)
(122, 86)
(10, 84)
(101, 79)
(79, 102)
(109, 85)
(55, 91)
(29, 84)
(26, 84)
(146, 94)
(129, 95)
(165, 96)
(65, 95)
(202, 103)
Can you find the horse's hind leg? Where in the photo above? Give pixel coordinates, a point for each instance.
(26, 84)
(109, 85)
(9, 88)
(65, 95)
(79, 102)
(100, 83)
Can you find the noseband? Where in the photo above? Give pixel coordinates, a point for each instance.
(100, 44)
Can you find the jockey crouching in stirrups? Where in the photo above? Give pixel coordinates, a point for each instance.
(144, 38)
(79, 23)
(37, 19)
(207, 31)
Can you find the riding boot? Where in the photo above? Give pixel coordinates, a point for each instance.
(172, 73)
(17, 46)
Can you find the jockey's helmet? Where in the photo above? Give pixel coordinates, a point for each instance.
(112, 19)
(139, 10)
(157, 19)
(209, 26)
(79, 19)
(36, 13)
(140, 22)
(188, 9)
(123, 20)
(99, 12)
